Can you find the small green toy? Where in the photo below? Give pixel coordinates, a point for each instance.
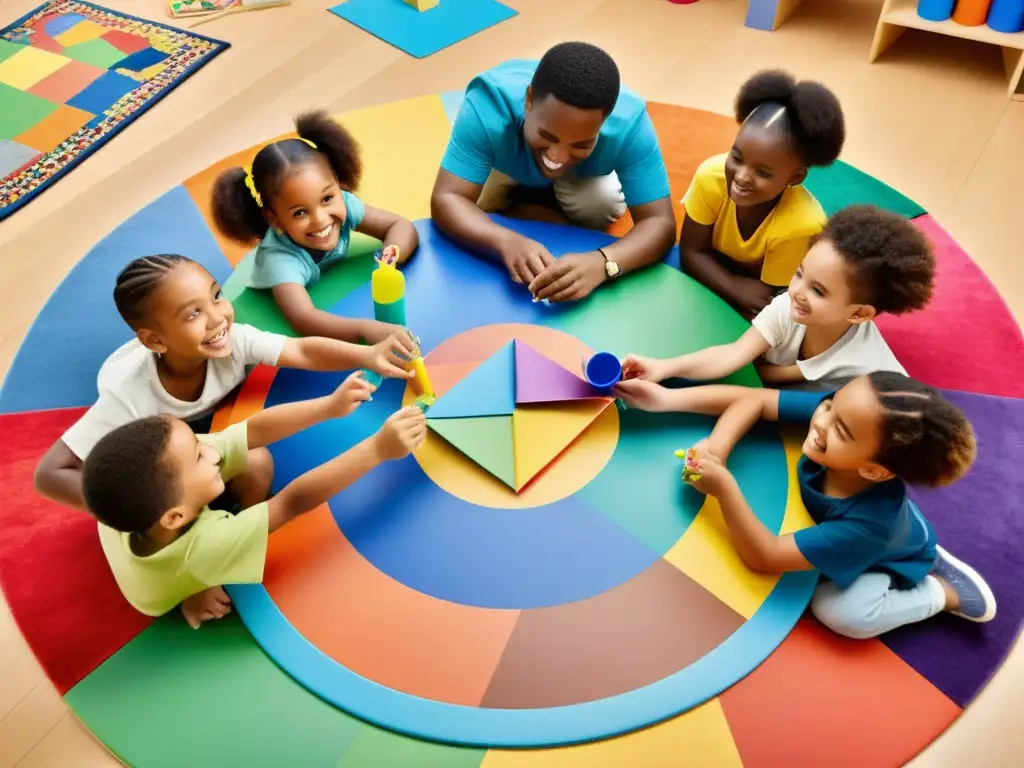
(689, 474)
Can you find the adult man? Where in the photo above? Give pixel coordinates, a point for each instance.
(555, 140)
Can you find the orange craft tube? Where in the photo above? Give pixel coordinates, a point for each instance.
(971, 13)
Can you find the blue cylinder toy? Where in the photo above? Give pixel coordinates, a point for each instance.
(935, 10)
(1006, 16)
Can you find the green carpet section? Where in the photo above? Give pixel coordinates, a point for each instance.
(172, 687)
(257, 307)
(377, 748)
(658, 312)
(842, 185)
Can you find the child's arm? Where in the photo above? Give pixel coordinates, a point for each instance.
(710, 363)
(316, 353)
(759, 548)
(744, 412)
(401, 434)
(281, 421)
(705, 265)
(779, 374)
(390, 229)
(306, 320)
(58, 476)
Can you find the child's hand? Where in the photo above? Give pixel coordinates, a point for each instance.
(713, 478)
(212, 603)
(389, 357)
(353, 391)
(374, 331)
(642, 394)
(402, 433)
(648, 368)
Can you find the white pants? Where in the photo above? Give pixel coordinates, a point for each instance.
(870, 606)
(595, 202)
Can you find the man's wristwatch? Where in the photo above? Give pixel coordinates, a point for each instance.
(611, 267)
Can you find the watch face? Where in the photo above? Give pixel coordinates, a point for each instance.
(611, 268)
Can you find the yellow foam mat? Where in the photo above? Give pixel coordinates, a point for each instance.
(699, 739)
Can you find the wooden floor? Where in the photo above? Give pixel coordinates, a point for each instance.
(931, 118)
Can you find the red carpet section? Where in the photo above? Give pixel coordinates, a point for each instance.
(981, 346)
(52, 569)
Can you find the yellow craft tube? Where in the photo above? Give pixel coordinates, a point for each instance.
(420, 380)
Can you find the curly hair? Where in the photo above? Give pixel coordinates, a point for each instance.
(578, 74)
(891, 263)
(808, 113)
(136, 283)
(126, 481)
(236, 211)
(926, 439)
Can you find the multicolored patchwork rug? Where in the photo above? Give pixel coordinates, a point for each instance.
(72, 76)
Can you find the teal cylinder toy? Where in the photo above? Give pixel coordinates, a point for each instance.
(391, 312)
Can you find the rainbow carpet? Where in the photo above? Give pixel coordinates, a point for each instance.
(561, 601)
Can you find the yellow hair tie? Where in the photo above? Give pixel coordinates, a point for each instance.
(251, 184)
(308, 142)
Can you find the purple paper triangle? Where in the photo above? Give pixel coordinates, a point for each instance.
(542, 380)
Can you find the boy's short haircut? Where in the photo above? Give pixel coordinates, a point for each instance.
(127, 482)
(891, 263)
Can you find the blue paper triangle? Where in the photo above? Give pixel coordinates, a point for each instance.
(490, 390)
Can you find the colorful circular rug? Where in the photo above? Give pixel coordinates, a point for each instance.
(538, 589)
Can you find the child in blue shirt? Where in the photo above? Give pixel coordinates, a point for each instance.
(879, 557)
(296, 199)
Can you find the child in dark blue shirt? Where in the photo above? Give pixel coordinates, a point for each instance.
(882, 565)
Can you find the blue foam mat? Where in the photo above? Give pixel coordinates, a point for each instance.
(421, 33)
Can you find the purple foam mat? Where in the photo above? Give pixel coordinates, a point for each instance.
(980, 520)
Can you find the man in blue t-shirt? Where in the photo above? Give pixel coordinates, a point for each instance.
(555, 140)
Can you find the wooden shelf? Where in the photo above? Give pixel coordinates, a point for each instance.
(899, 15)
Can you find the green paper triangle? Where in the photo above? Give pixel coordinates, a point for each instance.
(487, 440)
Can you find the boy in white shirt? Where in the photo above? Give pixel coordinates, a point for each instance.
(819, 333)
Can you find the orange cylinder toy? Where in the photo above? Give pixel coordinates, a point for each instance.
(971, 13)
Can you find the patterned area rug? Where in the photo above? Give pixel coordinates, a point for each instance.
(72, 76)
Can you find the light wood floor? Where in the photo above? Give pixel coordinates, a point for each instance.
(931, 118)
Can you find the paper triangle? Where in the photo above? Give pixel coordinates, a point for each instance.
(542, 432)
(490, 390)
(541, 380)
(487, 440)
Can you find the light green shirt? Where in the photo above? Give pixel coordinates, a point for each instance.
(219, 548)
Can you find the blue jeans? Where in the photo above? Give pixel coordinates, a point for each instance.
(870, 606)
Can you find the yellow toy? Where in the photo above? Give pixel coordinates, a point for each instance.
(689, 475)
(387, 286)
(422, 5)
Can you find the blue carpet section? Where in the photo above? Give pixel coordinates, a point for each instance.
(79, 327)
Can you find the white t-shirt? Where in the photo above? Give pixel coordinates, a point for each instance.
(130, 389)
(859, 351)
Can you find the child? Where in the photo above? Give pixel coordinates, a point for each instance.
(878, 553)
(748, 216)
(296, 200)
(864, 262)
(187, 357)
(150, 483)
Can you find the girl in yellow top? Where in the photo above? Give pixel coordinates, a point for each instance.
(749, 219)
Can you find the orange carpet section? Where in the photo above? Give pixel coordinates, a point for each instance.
(374, 625)
(822, 699)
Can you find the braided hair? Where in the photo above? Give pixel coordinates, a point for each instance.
(137, 282)
(926, 440)
(808, 113)
(240, 195)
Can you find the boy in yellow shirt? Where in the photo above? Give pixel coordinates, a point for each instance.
(749, 219)
(150, 483)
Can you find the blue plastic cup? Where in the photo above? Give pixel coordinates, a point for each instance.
(1006, 16)
(935, 10)
(603, 370)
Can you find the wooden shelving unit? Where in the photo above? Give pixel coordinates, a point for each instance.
(899, 15)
